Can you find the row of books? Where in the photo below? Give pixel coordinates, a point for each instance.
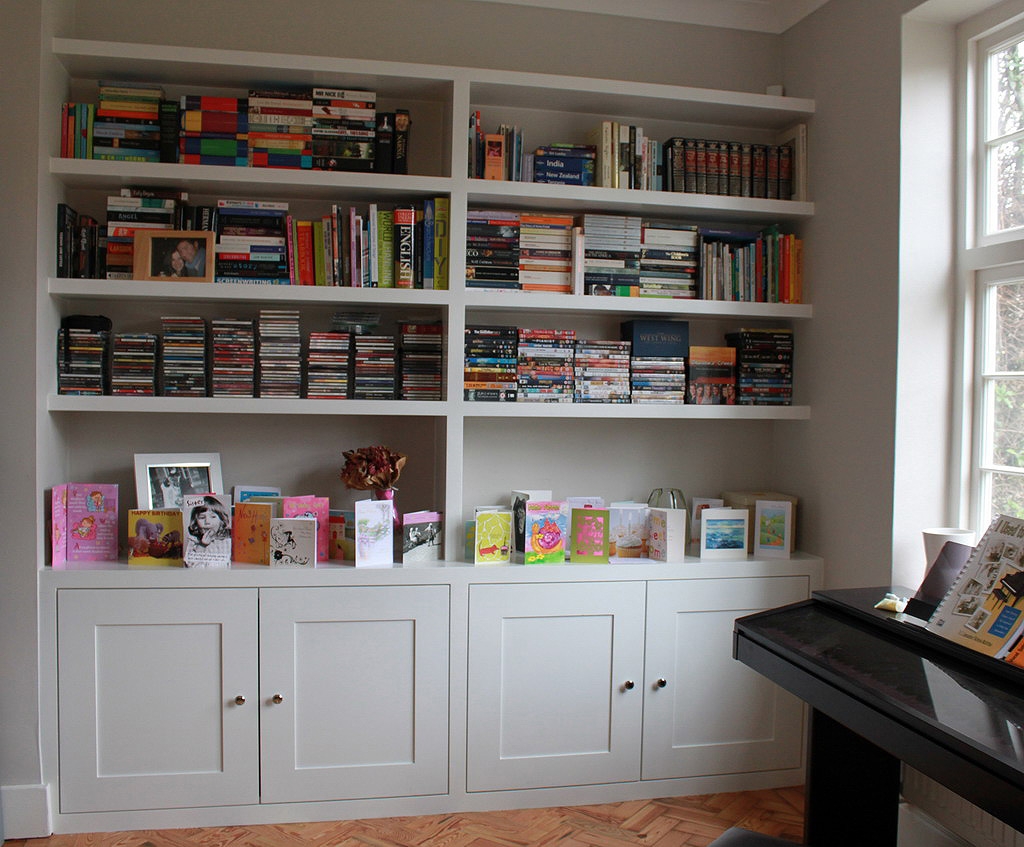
(260, 241)
(319, 127)
(234, 357)
(652, 362)
(202, 529)
(621, 155)
(630, 256)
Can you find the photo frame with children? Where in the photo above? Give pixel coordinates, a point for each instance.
(163, 479)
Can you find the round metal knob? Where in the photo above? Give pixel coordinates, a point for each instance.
(628, 685)
(661, 683)
(277, 698)
(240, 700)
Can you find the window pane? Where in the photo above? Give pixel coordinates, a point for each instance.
(1008, 423)
(1006, 113)
(1008, 495)
(1009, 324)
(1007, 177)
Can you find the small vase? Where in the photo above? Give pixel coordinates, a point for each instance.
(389, 494)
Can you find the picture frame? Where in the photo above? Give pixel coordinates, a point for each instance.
(184, 254)
(163, 479)
(723, 533)
(773, 529)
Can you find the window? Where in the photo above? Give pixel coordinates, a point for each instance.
(996, 261)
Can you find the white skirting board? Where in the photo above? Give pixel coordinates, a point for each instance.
(25, 811)
(916, 829)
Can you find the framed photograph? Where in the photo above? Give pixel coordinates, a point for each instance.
(241, 493)
(697, 507)
(773, 528)
(174, 254)
(723, 533)
(163, 479)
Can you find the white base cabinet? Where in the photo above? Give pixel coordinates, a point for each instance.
(258, 695)
(187, 698)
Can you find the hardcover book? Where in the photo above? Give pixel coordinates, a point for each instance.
(207, 519)
(374, 535)
(661, 339)
(250, 533)
(547, 532)
(588, 533)
(422, 537)
(982, 609)
(293, 542)
(155, 537)
(311, 506)
(85, 523)
(492, 538)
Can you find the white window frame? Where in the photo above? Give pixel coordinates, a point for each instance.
(984, 260)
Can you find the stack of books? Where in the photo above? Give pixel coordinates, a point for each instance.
(252, 242)
(279, 348)
(764, 366)
(213, 130)
(565, 164)
(421, 361)
(545, 366)
(183, 356)
(81, 361)
(344, 129)
(601, 370)
(126, 126)
(133, 364)
(668, 260)
(492, 249)
(611, 254)
(280, 128)
(127, 213)
(328, 363)
(374, 367)
(489, 371)
(658, 364)
(545, 252)
(234, 358)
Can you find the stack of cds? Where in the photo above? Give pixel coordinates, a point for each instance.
(234, 358)
(133, 364)
(491, 356)
(373, 373)
(764, 366)
(601, 369)
(658, 379)
(280, 350)
(545, 368)
(421, 361)
(81, 361)
(328, 362)
(183, 356)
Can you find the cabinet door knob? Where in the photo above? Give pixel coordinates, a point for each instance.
(277, 698)
(628, 685)
(662, 682)
(240, 700)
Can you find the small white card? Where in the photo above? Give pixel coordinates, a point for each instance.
(375, 531)
(293, 542)
(723, 533)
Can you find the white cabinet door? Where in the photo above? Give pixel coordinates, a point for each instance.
(148, 681)
(554, 684)
(354, 692)
(714, 715)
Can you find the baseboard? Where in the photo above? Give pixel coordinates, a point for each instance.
(25, 811)
(917, 829)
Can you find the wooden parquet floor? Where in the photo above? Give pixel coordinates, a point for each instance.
(670, 822)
